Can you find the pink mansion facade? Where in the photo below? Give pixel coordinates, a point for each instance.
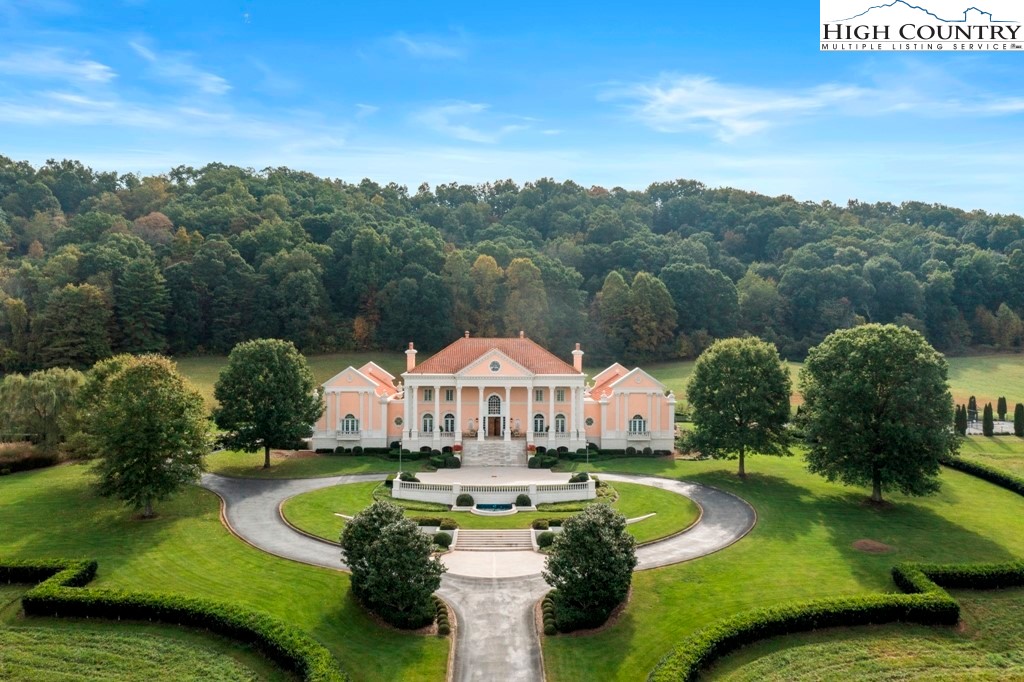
(498, 399)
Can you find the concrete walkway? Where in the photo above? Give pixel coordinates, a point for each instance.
(493, 596)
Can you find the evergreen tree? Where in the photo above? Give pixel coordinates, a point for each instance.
(961, 420)
(486, 277)
(987, 423)
(142, 302)
(1001, 408)
(652, 316)
(972, 409)
(72, 331)
(1018, 420)
(612, 307)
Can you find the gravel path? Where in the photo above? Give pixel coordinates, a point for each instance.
(496, 635)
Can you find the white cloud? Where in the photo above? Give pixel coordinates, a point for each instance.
(428, 48)
(179, 68)
(364, 110)
(453, 120)
(675, 104)
(56, 64)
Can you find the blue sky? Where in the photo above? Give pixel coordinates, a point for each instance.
(611, 94)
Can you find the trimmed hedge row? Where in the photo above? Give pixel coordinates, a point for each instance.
(926, 603)
(547, 608)
(441, 617)
(998, 477)
(57, 595)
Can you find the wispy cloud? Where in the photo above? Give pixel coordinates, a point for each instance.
(454, 120)
(178, 68)
(423, 47)
(365, 110)
(684, 103)
(55, 64)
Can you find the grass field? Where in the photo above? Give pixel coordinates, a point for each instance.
(46, 649)
(985, 376)
(55, 513)
(250, 465)
(314, 512)
(801, 548)
(1002, 452)
(988, 645)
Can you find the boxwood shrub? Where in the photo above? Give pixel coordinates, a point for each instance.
(464, 500)
(523, 500)
(448, 524)
(545, 539)
(443, 540)
(60, 594)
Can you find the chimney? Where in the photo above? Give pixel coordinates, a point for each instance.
(467, 333)
(577, 358)
(410, 358)
(521, 334)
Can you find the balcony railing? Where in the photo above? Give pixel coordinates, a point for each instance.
(348, 434)
(638, 435)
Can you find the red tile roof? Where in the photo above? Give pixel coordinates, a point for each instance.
(466, 350)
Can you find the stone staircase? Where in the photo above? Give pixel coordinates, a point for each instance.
(494, 540)
(493, 453)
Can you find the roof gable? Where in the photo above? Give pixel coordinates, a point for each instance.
(637, 378)
(507, 367)
(350, 377)
(465, 351)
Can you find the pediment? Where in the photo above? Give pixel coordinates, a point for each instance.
(482, 366)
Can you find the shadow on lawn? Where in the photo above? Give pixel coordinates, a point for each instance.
(57, 520)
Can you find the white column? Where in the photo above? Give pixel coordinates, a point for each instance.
(551, 411)
(383, 402)
(437, 414)
(650, 411)
(529, 414)
(458, 412)
(414, 418)
(481, 420)
(604, 420)
(507, 435)
(572, 414)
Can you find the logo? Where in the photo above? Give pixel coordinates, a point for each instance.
(930, 25)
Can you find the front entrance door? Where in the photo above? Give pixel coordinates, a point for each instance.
(494, 426)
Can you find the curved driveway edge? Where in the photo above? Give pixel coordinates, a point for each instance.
(496, 633)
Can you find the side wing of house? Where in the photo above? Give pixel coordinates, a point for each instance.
(357, 411)
(630, 409)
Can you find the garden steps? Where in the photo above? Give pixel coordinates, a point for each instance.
(493, 453)
(494, 540)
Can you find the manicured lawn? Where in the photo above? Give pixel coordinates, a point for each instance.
(1002, 452)
(43, 649)
(801, 548)
(203, 371)
(315, 512)
(250, 465)
(989, 645)
(54, 513)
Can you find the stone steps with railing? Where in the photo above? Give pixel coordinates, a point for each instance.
(493, 453)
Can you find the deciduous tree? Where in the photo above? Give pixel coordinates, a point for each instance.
(739, 395)
(267, 397)
(152, 430)
(878, 410)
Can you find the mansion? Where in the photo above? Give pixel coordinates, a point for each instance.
(497, 399)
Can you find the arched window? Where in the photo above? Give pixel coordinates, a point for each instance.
(494, 405)
(559, 423)
(538, 423)
(350, 424)
(449, 423)
(637, 424)
(428, 423)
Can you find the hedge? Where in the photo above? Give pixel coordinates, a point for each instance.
(27, 462)
(924, 602)
(998, 477)
(58, 594)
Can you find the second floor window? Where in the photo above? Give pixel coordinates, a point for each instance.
(538, 394)
(637, 424)
(428, 394)
(449, 395)
(559, 395)
(350, 424)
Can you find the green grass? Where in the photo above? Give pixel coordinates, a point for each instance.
(203, 371)
(988, 645)
(1001, 452)
(250, 465)
(53, 513)
(314, 512)
(801, 548)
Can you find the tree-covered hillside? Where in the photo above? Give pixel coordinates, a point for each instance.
(199, 259)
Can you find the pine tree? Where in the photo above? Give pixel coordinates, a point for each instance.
(72, 331)
(987, 423)
(526, 307)
(1001, 408)
(652, 316)
(612, 307)
(142, 302)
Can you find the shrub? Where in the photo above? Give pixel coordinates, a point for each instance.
(394, 445)
(325, 451)
(389, 482)
(427, 520)
(540, 524)
(630, 451)
(435, 453)
(545, 539)
(452, 462)
(581, 477)
(24, 457)
(557, 523)
(523, 500)
(648, 452)
(443, 540)
(409, 477)
(448, 524)
(549, 628)
(541, 449)
(447, 449)
(437, 462)
(59, 595)
(357, 450)
(464, 500)
(339, 450)
(562, 449)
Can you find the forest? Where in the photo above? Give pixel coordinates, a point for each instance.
(198, 259)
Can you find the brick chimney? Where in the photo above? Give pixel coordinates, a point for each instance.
(577, 358)
(410, 358)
